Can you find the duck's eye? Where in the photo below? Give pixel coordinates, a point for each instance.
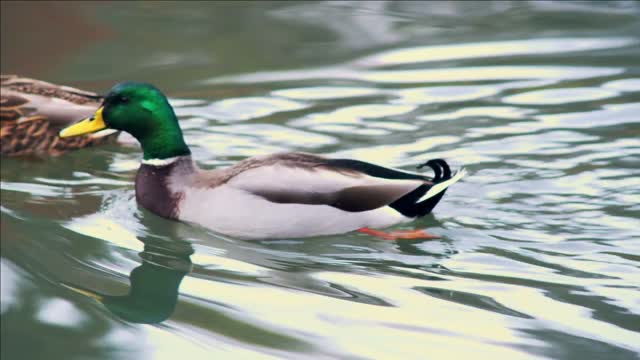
(124, 99)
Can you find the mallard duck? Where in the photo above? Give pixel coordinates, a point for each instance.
(284, 195)
(32, 112)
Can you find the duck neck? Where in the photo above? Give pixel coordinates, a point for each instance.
(164, 143)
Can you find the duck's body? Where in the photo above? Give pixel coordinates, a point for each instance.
(32, 112)
(287, 195)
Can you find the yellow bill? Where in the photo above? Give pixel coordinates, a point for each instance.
(86, 126)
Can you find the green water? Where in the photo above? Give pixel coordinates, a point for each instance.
(540, 248)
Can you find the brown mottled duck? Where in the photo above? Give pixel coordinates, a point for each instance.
(32, 112)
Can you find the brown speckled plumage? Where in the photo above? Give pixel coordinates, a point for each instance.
(32, 112)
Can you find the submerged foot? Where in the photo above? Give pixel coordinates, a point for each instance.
(399, 235)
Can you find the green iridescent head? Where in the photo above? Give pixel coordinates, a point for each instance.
(141, 110)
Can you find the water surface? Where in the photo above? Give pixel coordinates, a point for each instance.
(540, 248)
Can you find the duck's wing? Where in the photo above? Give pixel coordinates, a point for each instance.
(33, 86)
(346, 184)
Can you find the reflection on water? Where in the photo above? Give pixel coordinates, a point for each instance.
(153, 292)
(540, 249)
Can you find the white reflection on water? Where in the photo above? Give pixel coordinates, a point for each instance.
(458, 74)
(325, 92)
(10, 282)
(484, 73)
(560, 96)
(358, 120)
(60, 312)
(257, 139)
(176, 343)
(224, 263)
(491, 49)
(498, 112)
(612, 114)
(37, 190)
(398, 154)
(415, 55)
(609, 115)
(115, 223)
(100, 227)
(444, 94)
(406, 330)
(238, 109)
(624, 85)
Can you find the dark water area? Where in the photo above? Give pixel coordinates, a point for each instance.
(540, 248)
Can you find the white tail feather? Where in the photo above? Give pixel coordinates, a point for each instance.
(438, 188)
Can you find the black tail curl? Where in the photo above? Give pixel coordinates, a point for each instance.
(408, 206)
(440, 168)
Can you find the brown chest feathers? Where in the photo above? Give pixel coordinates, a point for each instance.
(153, 193)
